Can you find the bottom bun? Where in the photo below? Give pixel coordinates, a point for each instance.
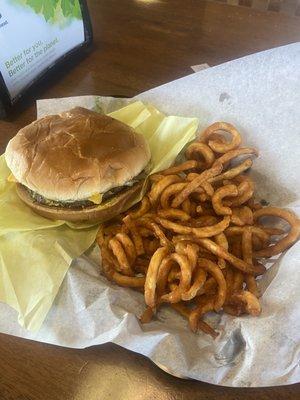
(98, 213)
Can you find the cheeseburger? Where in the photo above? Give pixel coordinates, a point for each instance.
(78, 165)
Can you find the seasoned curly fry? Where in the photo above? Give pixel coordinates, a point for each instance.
(203, 326)
(136, 237)
(272, 231)
(170, 191)
(190, 250)
(191, 164)
(204, 176)
(236, 262)
(173, 213)
(247, 256)
(216, 273)
(158, 232)
(160, 186)
(198, 282)
(147, 315)
(249, 302)
(128, 246)
(120, 255)
(218, 146)
(230, 155)
(151, 277)
(230, 274)
(202, 308)
(233, 172)
(285, 242)
(256, 230)
(224, 191)
(245, 192)
(200, 149)
(155, 177)
(242, 216)
(207, 231)
(162, 279)
(144, 208)
(120, 279)
(186, 206)
(185, 279)
(221, 240)
(238, 280)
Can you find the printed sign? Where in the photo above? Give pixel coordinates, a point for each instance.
(33, 35)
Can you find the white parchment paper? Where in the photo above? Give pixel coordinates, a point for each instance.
(260, 94)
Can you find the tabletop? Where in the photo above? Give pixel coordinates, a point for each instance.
(138, 44)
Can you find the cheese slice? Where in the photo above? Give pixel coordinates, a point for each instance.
(96, 198)
(11, 178)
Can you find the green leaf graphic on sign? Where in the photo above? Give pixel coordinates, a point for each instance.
(77, 10)
(36, 5)
(48, 10)
(54, 11)
(67, 7)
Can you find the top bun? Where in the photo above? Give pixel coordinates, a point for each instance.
(76, 154)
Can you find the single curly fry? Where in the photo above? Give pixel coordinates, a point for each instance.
(203, 326)
(256, 230)
(248, 258)
(249, 302)
(147, 315)
(170, 191)
(191, 186)
(236, 262)
(185, 166)
(285, 242)
(238, 280)
(230, 155)
(155, 177)
(209, 190)
(151, 277)
(185, 279)
(186, 206)
(203, 187)
(159, 186)
(245, 191)
(233, 172)
(217, 274)
(121, 257)
(230, 273)
(190, 250)
(158, 232)
(198, 151)
(198, 282)
(128, 246)
(217, 145)
(136, 237)
(165, 269)
(174, 213)
(112, 275)
(204, 306)
(242, 216)
(218, 196)
(221, 240)
(205, 220)
(206, 231)
(145, 206)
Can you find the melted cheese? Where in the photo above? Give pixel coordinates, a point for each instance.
(11, 178)
(96, 198)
